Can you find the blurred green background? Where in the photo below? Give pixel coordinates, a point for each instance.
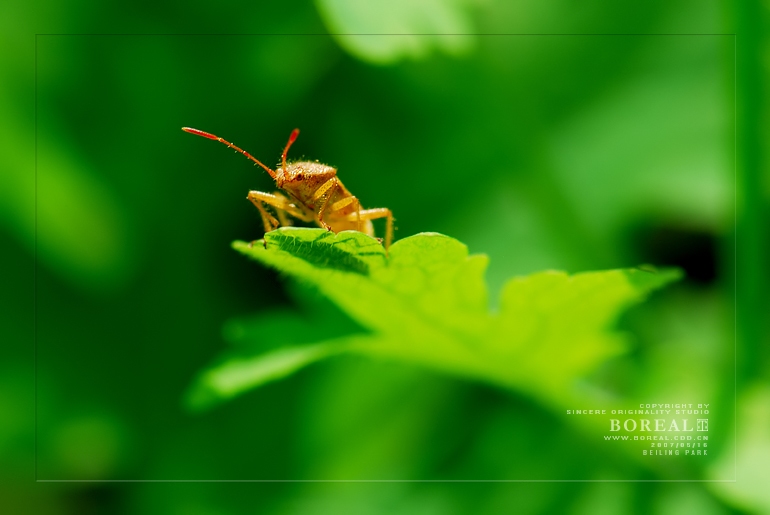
(573, 152)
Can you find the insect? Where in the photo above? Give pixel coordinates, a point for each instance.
(315, 194)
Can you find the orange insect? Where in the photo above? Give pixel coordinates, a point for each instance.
(315, 195)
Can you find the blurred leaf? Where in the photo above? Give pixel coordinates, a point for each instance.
(81, 227)
(385, 32)
(746, 460)
(664, 156)
(427, 303)
(237, 374)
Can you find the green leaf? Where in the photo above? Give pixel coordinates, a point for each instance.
(236, 374)
(426, 303)
(385, 32)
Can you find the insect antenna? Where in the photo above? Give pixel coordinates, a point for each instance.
(292, 137)
(238, 149)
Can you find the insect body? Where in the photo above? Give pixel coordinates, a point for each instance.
(315, 194)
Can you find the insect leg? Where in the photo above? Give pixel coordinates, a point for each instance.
(323, 188)
(281, 213)
(341, 204)
(374, 214)
(268, 220)
(326, 190)
(280, 203)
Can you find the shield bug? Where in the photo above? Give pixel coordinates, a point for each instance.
(313, 194)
